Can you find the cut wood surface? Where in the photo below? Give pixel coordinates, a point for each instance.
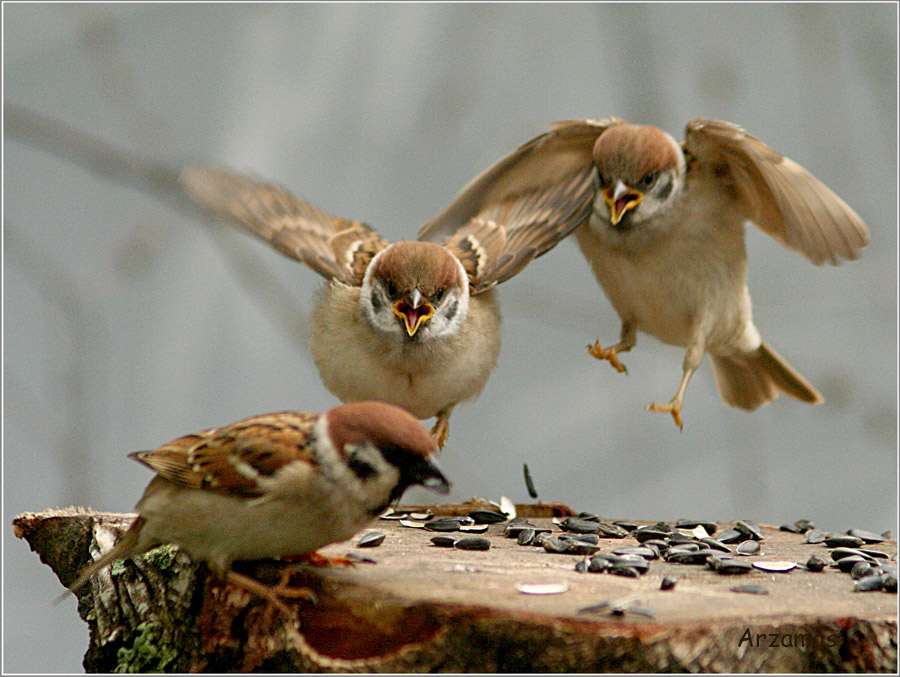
(425, 608)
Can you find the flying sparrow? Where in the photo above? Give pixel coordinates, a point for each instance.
(276, 485)
(413, 323)
(666, 241)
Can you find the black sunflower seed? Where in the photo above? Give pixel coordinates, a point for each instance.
(841, 541)
(371, 540)
(678, 538)
(554, 545)
(526, 536)
(627, 526)
(529, 483)
(860, 570)
(581, 566)
(889, 582)
(846, 564)
(640, 551)
(646, 534)
(576, 547)
(579, 526)
(715, 544)
(472, 543)
(599, 564)
(866, 536)
(593, 539)
(622, 570)
(732, 567)
(608, 530)
(732, 536)
(444, 541)
(589, 516)
(816, 563)
(869, 584)
(750, 589)
(689, 556)
(804, 525)
(668, 583)
(876, 554)
(513, 529)
(841, 553)
(487, 516)
(748, 548)
(790, 528)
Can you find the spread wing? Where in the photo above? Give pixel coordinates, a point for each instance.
(776, 193)
(231, 459)
(523, 205)
(333, 247)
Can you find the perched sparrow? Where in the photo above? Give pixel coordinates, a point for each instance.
(412, 323)
(276, 485)
(666, 240)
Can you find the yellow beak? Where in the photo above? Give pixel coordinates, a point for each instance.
(413, 312)
(620, 198)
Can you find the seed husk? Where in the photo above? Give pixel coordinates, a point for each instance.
(581, 566)
(421, 516)
(515, 527)
(750, 589)
(750, 529)
(472, 543)
(668, 583)
(709, 527)
(542, 588)
(371, 540)
(444, 541)
(412, 525)
(360, 559)
(487, 516)
(775, 567)
(748, 548)
(600, 606)
(814, 536)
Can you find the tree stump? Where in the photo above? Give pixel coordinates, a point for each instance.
(418, 608)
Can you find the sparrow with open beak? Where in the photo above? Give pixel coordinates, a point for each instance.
(666, 241)
(413, 323)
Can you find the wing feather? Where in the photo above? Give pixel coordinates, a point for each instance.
(331, 246)
(777, 194)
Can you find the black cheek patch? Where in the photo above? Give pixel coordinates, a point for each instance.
(452, 310)
(666, 188)
(376, 300)
(360, 468)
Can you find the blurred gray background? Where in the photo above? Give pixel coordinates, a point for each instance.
(127, 324)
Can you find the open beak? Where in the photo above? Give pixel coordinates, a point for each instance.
(620, 198)
(414, 311)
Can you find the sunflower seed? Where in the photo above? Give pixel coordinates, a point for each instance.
(708, 527)
(689, 556)
(861, 570)
(750, 589)
(748, 548)
(841, 553)
(668, 583)
(866, 536)
(868, 584)
(732, 567)
(627, 526)
(581, 548)
(487, 516)
(370, 540)
(646, 534)
(579, 526)
(554, 545)
(472, 543)
(640, 551)
(581, 566)
(889, 582)
(816, 563)
(593, 539)
(846, 564)
(841, 541)
(600, 606)
(444, 541)
(731, 536)
(715, 544)
(529, 483)
(622, 570)
(361, 559)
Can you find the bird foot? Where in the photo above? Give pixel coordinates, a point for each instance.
(274, 596)
(673, 407)
(441, 430)
(608, 354)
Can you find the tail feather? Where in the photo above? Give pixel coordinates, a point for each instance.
(752, 380)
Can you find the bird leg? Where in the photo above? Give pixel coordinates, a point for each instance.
(272, 595)
(692, 359)
(441, 430)
(627, 341)
(318, 560)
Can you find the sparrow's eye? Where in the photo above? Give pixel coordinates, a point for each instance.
(391, 289)
(648, 179)
(438, 295)
(601, 178)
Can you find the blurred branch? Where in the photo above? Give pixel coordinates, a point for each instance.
(160, 181)
(62, 290)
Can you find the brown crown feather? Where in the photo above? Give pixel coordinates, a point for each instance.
(630, 152)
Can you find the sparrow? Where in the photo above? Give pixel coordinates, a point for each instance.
(414, 323)
(665, 240)
(276, 485)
